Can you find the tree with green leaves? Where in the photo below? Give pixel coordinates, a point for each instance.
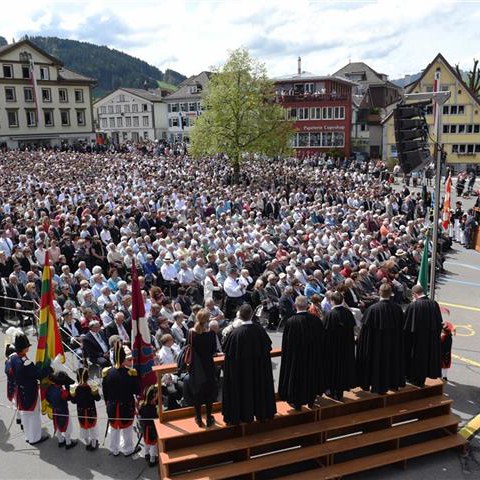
(473, 77)
(240, 114)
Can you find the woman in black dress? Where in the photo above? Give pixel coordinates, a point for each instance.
(202, 382)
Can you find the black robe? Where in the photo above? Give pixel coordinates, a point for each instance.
(248, 390)
(423, 351)
(339, 357)
(301, 350)
(380, 350)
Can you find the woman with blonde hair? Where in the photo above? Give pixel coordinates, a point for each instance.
(201, 383)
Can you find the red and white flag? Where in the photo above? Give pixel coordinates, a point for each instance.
(447, 203)
(142, 350)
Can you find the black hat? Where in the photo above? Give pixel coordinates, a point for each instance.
(21, 342)
(61, 378)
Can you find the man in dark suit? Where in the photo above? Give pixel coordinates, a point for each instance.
(119, 327)
(15, 292)
(95, 345)
(286, 305)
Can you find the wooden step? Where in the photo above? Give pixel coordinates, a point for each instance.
(277, 436)
(234, 470)
(380, 459)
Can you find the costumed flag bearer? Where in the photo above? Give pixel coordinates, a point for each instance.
(10, 352)
(24, 376)
(84, 396)
(146, 413)
(120, 384)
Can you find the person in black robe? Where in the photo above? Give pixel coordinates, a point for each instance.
(248, 391)
(423, 325)
(380, 349)
(339, 354)
(301, 349)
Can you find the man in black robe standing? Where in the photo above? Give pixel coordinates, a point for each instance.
(423, 350)
(301, 350)
(339, 358)
(380, 350)
(248, 391)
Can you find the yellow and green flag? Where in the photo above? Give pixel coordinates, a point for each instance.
(49, 340)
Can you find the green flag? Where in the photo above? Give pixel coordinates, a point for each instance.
(423, 272)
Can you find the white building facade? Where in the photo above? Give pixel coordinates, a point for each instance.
(131, 115)
(41, 102)
(184, 106)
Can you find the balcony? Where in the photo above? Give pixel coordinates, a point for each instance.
(311, 97)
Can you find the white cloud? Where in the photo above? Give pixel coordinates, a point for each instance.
(393, 36)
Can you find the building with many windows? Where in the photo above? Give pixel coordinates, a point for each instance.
(41, 101)
(184, 106)
(321, 107)
(460, 116)
(131, 114)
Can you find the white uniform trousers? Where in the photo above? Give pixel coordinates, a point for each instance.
(32, 423)
(65, 436)
(89, 435)
(121, 440)
(151, 450)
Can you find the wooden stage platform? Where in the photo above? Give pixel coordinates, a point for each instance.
(330, 441)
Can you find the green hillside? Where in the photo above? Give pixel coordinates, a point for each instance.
(111, 68)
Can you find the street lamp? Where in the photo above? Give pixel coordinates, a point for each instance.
(439, 98)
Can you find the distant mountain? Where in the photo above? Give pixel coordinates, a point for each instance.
(111, 68)
(3, 41)
(402, 82)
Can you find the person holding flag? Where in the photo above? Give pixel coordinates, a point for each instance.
(142, 350)
(446, 223)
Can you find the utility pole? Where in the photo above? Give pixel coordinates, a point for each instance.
(439, 98)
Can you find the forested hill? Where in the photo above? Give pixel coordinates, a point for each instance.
(109, 67)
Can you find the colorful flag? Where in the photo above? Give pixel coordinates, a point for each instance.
(447, 203)
(423, 273)
(142, 350)
(49, 340)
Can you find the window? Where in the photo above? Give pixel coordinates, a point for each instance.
(315, 139)
(173, 122)
(28, 94)
(444, 88)
(145, 135)
(184, 107)
(46, 95)
(7, 71)
(145, 121)
(429, 110)
(63, 95)
(339, 113)
(10, 95)
(119, 122)
(363, 127)
(470, 148)
(453, 109)
(293, 113)
(454, 148)
(121, 98)
(469, 128)
(303, 139)
(136, 121)
(81, 120)
(125, 135)
(44, 73)
(110, 109)
(65, 118)
(303, 113)
(78, 96)
(111, 121)
(446, 110)
(327, 139)
(453, 129)
(134, 108)
(192, 107)
(25, 71)
(12, 117)
(446, 128)
(192, 89)
(173, 107)
(31, 118)
(134, 136)
(476, 128)
(461, 129)
(327, 113)
(128, 121)
(103, 109)
(126, 108)
(103, 122)
(461, 109)
(309, 88)
(118, 109)
(338, 139)
(48, 118)
(144, 107)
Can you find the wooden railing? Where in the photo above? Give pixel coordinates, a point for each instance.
(172, 368)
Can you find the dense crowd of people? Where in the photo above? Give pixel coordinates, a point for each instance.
(314, 231)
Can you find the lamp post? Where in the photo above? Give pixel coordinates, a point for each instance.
(439, 99)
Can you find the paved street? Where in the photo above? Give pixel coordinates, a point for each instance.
(459, 291)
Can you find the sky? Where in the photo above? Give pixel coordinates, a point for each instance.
(393, 37)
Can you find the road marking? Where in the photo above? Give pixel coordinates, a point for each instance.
(470, 331)
(472, 363)
(471, 428)
(464, 307)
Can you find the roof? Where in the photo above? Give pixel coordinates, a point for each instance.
(372, 76)
(70, 75)
(305, 76)
(410, 87)
(12, 46)
(182, 92)
(146, 94)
